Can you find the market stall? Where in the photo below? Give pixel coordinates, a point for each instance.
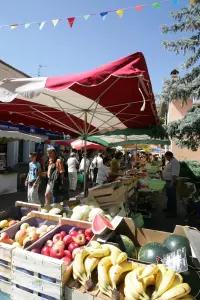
(8, 178)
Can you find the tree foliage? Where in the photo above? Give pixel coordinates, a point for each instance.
(188, 86)
(186, 132)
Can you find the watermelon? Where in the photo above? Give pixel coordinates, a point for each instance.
(101, 225)
(174, 242)
(126, 245)
(151, 251)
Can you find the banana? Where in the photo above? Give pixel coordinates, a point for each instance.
(159, 276)
(114, 253)
(187, 297)
(167, 281)
(130, 289)
(98, 253)
(121, 258)
(117, 270)
(79, 272)
(176, 292)
(136, 284)
(90, 264)
(178, 280)
(103, 277)
(94, 245)
(150, 280)
(148, 271)
(128, 295)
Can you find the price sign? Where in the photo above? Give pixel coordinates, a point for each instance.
(176, 260)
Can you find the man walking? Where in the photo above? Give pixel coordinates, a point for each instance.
(73, 165)
(170, 175)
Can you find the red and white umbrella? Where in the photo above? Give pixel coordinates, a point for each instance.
(115, 96)
(77, 144)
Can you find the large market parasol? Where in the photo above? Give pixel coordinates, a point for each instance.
(77, 144)
(116, 95)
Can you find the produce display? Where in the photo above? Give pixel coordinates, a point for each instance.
(54, 209)
(101, 225)
(64, 244)
(138, 281)
(151, 251)
(25, 236)
(10, 222)
(174, 242)
(87, 213)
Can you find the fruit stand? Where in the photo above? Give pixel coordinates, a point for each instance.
(67, 262)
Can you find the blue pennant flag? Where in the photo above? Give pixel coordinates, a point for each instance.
(103, 15)
(175, 2)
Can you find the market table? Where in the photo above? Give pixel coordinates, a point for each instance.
(8, 183)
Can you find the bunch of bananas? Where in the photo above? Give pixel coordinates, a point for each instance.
(168, 284)
(113, 268)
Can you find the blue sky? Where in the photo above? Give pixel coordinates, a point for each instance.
(89, 43)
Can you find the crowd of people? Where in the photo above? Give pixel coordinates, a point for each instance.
(63, 170)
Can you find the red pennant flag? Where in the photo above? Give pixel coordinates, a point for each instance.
(71, 21)
(139, 7)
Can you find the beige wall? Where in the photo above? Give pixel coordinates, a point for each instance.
(176, 112)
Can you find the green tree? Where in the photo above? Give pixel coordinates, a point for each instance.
(188, 86)
(186, 132)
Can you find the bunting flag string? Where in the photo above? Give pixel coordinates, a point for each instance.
(103, 15)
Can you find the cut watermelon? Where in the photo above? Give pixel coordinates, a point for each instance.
(100, 225)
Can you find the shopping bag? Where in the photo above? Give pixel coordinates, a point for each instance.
(80, 178)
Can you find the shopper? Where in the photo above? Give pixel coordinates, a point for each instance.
(103, 171)
(73, 165)
(55, 175)
(94, 169)
(33, 179)
(170, 175)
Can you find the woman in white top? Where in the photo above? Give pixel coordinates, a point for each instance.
(103, 171)
(72, 171)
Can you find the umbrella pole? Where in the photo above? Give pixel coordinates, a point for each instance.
(85, 156)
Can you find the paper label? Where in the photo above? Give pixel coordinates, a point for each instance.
(176, 260)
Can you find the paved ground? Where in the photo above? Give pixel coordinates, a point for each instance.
(158, 221)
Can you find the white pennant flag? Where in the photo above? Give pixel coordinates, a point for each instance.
(55, 22)
(42, 25)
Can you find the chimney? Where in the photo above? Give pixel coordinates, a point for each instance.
(174, 74)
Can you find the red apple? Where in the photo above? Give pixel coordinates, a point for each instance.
(72, 246)
(4, 237)
(67, 261)
(57, 238)
(12, 222)
(57, 251)
(46, 251)
(63, 233)
(35, 250)
(49, 243)
(80, 239)
(88, 239)
(67, 240)
(81, 231)
(68, 254)
(73, 233)
(89, 232)
(61, 244)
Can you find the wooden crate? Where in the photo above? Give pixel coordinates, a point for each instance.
(28, 205)
(5, 267)
(46, 216)
(39, 275)
(115, 197)
(101, 190)
(19, 294)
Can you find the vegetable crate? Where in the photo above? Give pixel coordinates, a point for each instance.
(35, 276)
(5, 268)
(6, 250)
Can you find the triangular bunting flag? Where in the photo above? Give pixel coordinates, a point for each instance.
(175, 2)
(156, 4)
(86, 17)
(192, 2)
(71, 21)
(13, 26)
(42, 25)
(120, 12)
(139, 7)
(103, 15)
(55, 22)
(27, 25)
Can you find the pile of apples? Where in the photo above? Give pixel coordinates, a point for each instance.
(64, 245)
(26, 235)
(7, 223)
